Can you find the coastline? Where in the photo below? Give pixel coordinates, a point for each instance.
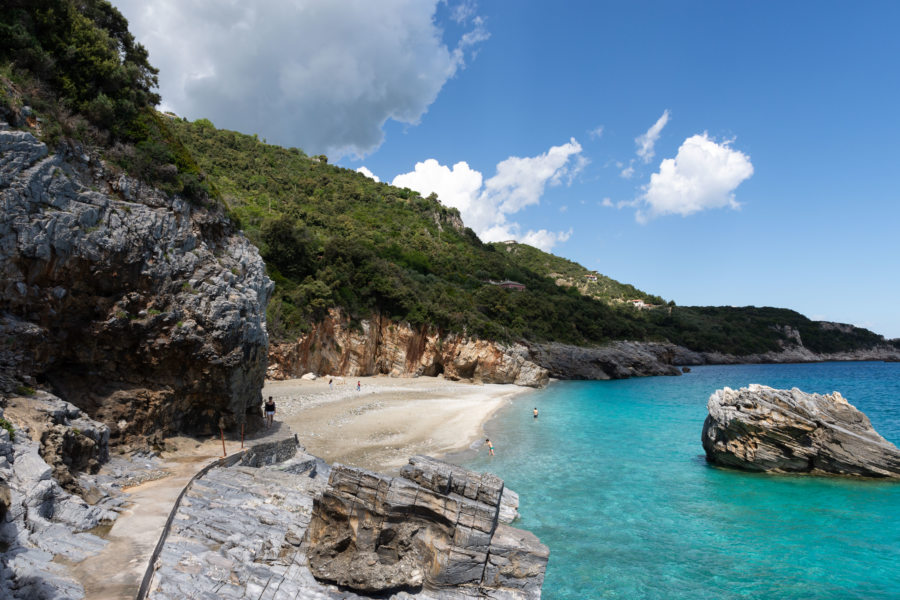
(389, 419)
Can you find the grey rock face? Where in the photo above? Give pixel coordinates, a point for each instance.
(759, 428)
(144, 310)
(435, 528)
(618, 360)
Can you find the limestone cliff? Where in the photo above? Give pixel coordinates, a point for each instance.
(381, 346)
(142, 309)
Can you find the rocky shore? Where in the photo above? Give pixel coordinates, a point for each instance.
(297, 528)
(759, 428)
(380, 346)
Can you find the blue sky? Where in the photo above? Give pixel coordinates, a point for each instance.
(768, 165)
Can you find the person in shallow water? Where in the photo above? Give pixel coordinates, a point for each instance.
(270, 411)
(490, 446)
(535, 412)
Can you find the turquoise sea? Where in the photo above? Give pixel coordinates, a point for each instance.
(612, 477)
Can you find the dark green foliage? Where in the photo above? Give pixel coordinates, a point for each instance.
(84, 53)
(332, 237)
(8, 427)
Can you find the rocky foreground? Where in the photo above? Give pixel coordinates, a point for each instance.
(300, 529)
(759, 428)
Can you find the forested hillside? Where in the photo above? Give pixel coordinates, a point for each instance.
(333, 238)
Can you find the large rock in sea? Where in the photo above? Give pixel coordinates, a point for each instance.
(434, 528)
(143, 309)
(759, 428)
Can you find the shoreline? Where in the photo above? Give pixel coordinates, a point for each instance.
(389, 419)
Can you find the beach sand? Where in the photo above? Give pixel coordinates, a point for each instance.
(389, 419)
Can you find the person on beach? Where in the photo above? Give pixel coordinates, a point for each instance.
(270, 411)
(535, 412)
(490, 446)
(330, 382)
(357, 386)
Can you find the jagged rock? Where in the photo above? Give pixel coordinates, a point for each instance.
(382, 346)
(143, 309)
(509, 506)
(759, 428)
(4, 498)
(434, 527)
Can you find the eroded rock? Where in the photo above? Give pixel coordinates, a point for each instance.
(759, 428)
(433, 528)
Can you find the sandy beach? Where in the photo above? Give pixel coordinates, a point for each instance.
(389, 419)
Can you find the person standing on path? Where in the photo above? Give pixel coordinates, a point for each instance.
(490, 446)
(270, 411)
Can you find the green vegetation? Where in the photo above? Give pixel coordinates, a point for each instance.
(25, 390)
(573, 274)
(8, 427)
(332, 238)
(71, 71)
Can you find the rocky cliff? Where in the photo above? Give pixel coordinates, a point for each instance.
(759, 428)
(379, 346)
(142, 309)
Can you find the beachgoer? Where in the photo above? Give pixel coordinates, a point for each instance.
(330, 381)
(357, 386)
(270, 411)
(490, 447)
(535, 412)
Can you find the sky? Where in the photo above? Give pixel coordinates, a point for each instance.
(713, 153)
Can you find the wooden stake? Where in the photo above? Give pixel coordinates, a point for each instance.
(242, 436)
(224, 454)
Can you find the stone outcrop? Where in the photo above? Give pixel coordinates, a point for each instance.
(380, 346)
(43, 527)
(759, 428)
(245, 532)
(433, 528)
(142, 309)
(70, 442)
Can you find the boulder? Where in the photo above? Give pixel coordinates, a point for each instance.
(433, 528)
(759, 428)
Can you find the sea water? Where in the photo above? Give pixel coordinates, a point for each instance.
(613, 478)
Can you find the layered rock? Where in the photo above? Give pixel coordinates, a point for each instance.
(381, 346)
(759, 428)
(70, 442)
(142, 309)
(43, 527)
(435, 528)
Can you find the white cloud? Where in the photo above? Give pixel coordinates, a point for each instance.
(646, 141)
(607, 203)
(596, 133)
(703, 175)
(486, 205)
(324, 76)
(627, 172)
(368, 173)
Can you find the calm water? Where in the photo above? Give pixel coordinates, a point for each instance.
(613, 479)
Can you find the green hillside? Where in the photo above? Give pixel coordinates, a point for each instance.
(332, 238)
(569, 273)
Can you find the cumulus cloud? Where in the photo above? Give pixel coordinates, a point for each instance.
(646, 142)
(703, 175)
(324, 76)
(368, 173)
(486, 205)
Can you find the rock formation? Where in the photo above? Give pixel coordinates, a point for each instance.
(433, 528)
(43, 527)
(382, 346)
(759, 428)
(142, 309)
